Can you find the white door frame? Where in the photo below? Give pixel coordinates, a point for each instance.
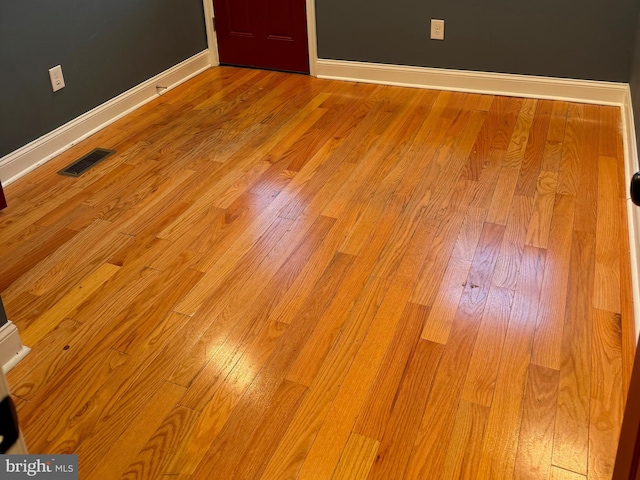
(312, 37)
(212, 40)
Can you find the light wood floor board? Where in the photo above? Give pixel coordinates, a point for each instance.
(357, 458)
(281, 277)
(535, 443)
(466, 441)
(571, 439)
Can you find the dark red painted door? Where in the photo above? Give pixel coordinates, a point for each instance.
(3, 201)
(263, 33)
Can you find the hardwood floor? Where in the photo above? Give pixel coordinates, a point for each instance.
(283, 277)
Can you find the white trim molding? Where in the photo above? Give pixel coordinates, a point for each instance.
(633, 212)
(530, 86)
(40, 151)
(212, 39)
(11, 348)
(312, 37)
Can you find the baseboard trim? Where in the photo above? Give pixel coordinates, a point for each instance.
(11, 348)
(633, 212)
(530, 86)
(40, 151)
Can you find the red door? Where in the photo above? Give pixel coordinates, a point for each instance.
(3, 201)
(268, 34)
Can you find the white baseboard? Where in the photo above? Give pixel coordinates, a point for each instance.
(633, 212)
(38, 152)
(584, 91)
(11, 348)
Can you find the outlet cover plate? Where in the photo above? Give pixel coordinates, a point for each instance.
(57, 79)
(437, 29)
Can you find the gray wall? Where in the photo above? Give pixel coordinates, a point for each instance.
(585, 39)
(634, 83)
(104, 47)
(3, 314)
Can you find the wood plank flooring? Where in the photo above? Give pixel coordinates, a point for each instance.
(281, 277)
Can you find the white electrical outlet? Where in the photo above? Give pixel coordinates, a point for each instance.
(57, 79)
(437, 29)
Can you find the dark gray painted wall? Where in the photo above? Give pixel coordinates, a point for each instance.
(3, 314)
(585, 39)
(104, 47)
(634, 83)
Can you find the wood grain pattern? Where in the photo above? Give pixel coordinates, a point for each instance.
(438, 258)
(561, 474)
(375, 412)
(535, 443)
(16, 263)
(606, 286)
(520, 137)
(533, 155)
(267, 435)
(66, 306)
(357, 458)
(514, 241)
(570, 162)
(276, 359)
(93, 244)
(571, 438)
(483, 369)
(464, 450)
(469, 235)
(283, 277)
(88, 340)
(587, 195)
(547, 348)
(153, 456)
(247, 331)
(605, 411)
(482, 145)
(119, 456)
(334, 433)
(118, 403)
(500, 443)
(427, 456)
(322, 391)
(324, 456)
(540, 223)
(44, 359)
(438, 324)
(401, 430)
(485, 102)
(552, 155)
(502, 196)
